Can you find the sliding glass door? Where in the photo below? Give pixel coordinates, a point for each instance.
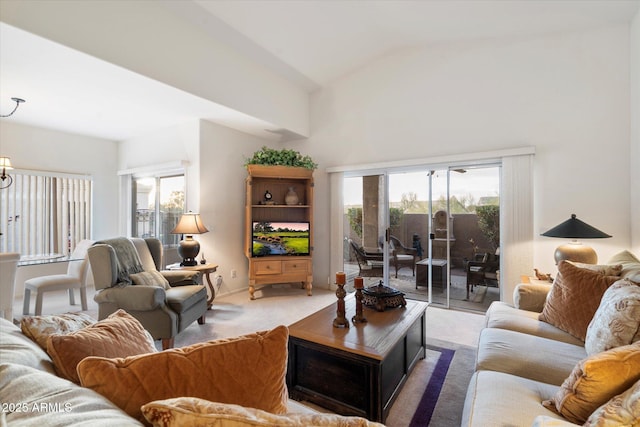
(417, 230)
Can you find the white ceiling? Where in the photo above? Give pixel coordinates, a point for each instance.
(310, 42)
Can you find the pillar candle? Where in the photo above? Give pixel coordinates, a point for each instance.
(341, 278)
(358, 283)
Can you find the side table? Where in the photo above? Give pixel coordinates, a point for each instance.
(206, 270)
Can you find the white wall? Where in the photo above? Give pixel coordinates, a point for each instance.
(215, 185)
(567, 95)
(635, 133)
(222, 200)
(46, 150)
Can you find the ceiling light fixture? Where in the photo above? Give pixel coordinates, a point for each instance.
(18, 101)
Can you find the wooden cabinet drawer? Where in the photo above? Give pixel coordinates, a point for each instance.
(294, 266)
(267, 267)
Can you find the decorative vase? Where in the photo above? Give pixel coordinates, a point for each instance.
(291, 197)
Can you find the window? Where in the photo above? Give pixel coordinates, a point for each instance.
(159, 203)
(45, 214)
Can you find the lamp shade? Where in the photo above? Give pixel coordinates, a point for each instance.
(5, 163)
(573, 228)
(190, 223)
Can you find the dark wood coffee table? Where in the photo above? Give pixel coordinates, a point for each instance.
(360, 370)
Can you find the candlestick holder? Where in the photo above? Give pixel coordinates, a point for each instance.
(340, 321)
(358, 284)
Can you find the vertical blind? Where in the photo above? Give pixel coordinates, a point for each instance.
(42, 214)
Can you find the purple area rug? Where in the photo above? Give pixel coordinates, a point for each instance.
(428, 401)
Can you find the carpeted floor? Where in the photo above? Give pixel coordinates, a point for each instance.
(234, 314)
(422, 385)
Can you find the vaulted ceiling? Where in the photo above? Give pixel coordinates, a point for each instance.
(311, 43)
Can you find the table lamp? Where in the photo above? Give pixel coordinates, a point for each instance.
(573, 228)
(189, 224)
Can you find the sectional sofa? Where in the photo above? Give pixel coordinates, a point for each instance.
(564, 354)
(108, 373)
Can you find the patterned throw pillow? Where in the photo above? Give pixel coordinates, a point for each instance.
(596, 380)
(249, 370)
(119, 335)
(39, 328)
(622, 410)
(190, 411)
(617, 320)
(574, 298)
(150, 278)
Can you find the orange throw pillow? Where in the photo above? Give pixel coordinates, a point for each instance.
(249, 370)
(574, 298)
(119, 335)
(596, 380)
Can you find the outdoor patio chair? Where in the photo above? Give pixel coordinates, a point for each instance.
(401, 256)
(369, 264)
(483, 271)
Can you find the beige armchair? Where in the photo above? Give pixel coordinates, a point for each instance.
(163, 309)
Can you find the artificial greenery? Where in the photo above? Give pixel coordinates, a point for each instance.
(284, 157)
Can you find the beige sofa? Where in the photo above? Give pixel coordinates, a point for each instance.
(119, 391)
(523, 361)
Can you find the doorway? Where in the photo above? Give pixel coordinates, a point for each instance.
(419, 230)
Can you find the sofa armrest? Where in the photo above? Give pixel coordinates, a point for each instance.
(531, 296)
(133, 298)
(181, 277)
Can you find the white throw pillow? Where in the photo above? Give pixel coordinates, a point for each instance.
(617, 319)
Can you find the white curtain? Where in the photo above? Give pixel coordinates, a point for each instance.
(43, 214)
(516, 222)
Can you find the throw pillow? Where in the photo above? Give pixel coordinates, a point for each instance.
(594, 381)
(190, 411)
(248, 370)
(39, 328)
(606, 269)
(574, 298)
(630, 265)
(119, 335)
(622, 410)
(150, 278)
(617, 319)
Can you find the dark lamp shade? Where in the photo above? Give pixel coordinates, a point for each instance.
(189, 224)
(573, 228)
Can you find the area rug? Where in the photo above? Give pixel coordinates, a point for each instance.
(435, 391)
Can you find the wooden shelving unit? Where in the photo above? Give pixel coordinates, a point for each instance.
(277, 180)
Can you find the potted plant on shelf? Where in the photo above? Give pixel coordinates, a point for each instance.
(271, 162)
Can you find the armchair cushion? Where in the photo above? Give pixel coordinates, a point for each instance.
(190, 411)
(248, 370)
(119, 335)
(150, 278)
(182, 298)
(133, 298)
